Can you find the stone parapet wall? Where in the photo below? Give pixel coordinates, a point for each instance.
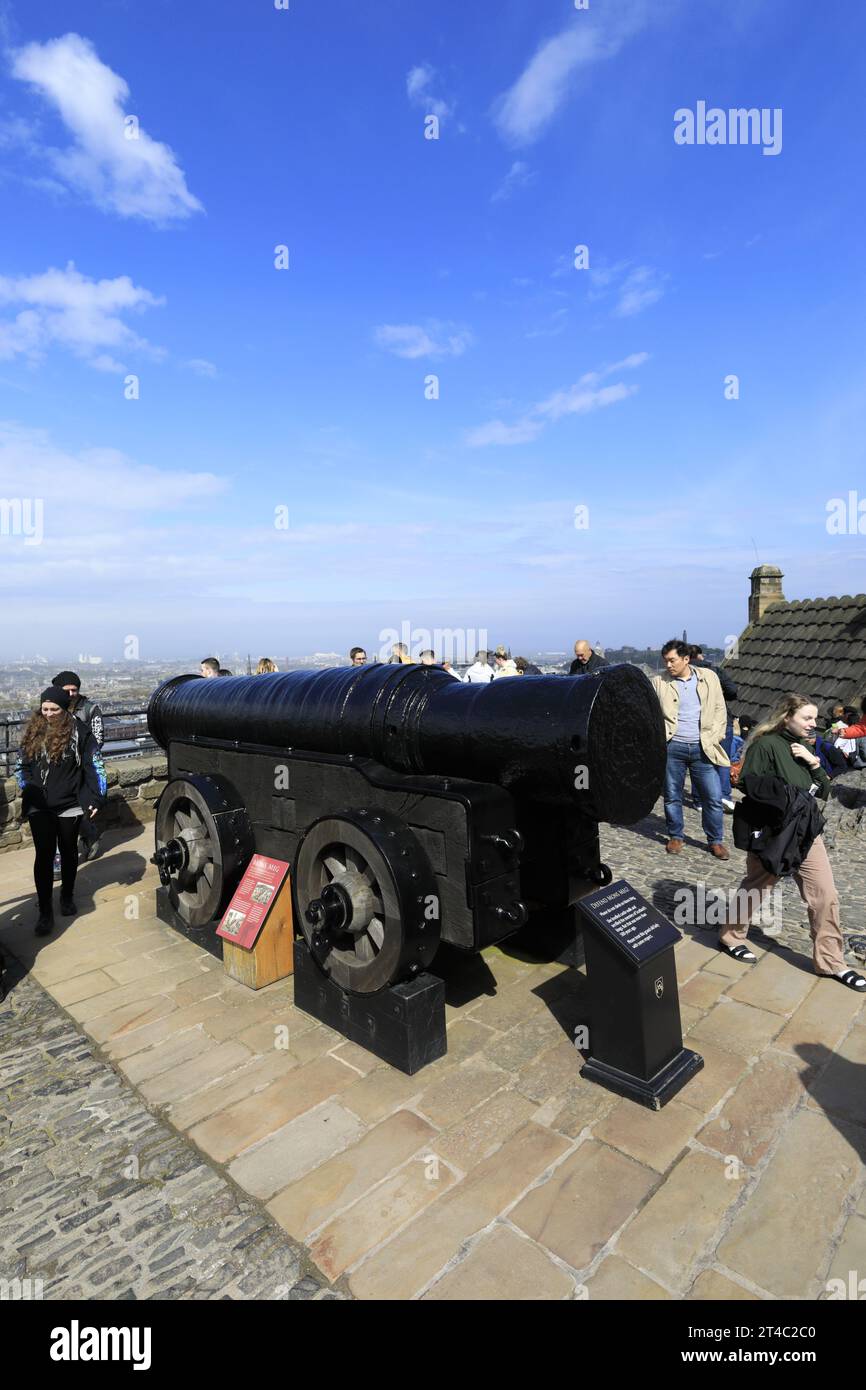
(134, 785)
(845, 811)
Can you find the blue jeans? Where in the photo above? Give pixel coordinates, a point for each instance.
(705, 778)
(725, 772)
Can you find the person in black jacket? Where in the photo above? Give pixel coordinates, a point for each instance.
(729, 692)
(62, 778)
(777, 761)
(90, 715)
(586, 661)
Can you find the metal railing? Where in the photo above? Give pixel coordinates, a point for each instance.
(126, 736)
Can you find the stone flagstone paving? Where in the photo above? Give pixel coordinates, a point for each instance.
(497, 1172)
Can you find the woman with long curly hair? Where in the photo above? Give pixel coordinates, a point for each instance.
(62, 778)
(778, 747)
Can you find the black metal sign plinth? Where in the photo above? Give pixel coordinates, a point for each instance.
(403, 1024)
(635, 1035)
(653, 1093)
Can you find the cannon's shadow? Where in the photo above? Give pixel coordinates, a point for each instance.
(547, 939)
(465, 977)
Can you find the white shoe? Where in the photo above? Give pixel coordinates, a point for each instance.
(729, 805)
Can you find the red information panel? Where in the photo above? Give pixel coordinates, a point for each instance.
(245, 915)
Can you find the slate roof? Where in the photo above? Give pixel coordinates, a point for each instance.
(816, 647)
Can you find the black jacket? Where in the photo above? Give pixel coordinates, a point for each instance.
(76, 779)
(595, 663)
(90, 715)
(777, 822)
(729, 689)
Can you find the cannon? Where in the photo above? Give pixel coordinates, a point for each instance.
(414, 809)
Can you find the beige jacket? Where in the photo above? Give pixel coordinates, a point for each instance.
(714, 715)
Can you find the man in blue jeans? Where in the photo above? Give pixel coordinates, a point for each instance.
(695, 724)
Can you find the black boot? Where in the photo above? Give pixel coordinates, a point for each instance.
(45, 924)
(67, 906)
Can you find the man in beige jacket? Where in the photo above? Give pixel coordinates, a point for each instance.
(695, 722)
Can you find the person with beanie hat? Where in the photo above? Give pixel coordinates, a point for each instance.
(90, 715)
(62, 779)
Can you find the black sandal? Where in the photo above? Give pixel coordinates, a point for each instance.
(852, 980)
(739, 953)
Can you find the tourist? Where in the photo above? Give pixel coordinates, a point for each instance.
(447, 666)
(62, 777)
(90, 715)
(850, 729)
(695, 720)
(400, 655)
(223, 671)
(427, 658)
(832, 759)
(357, 657)
(266, 667)
(526, 668)
(480, 672)
(777, 750)
(586, 661)
(210, 667)
(503, 665)
(849, 736)
(833, 716)
(729, 691)
(738, 743)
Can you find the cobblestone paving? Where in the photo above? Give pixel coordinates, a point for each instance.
(638, 854)
(98, 1199)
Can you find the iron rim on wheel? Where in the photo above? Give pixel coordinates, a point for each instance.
(366, 899)
(203, 844)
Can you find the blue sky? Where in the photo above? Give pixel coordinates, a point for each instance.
(261, 388)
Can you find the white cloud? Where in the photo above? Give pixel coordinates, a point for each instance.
(522, 113)
(137, 177)
(641, 288)
(100, 483)
(66, 309)
(636, 286)
(418, 90)
(555, 324)
(495, 432)
(433, 340)
(585, 396)
(518, 176)
(201, 366)
(580, 400)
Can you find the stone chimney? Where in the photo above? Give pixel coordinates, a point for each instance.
(766, 590)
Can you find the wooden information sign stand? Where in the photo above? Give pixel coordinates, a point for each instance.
(256, 928)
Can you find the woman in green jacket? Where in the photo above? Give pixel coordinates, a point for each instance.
(776, 749)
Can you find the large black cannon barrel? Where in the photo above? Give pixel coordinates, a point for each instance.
(595, 743)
